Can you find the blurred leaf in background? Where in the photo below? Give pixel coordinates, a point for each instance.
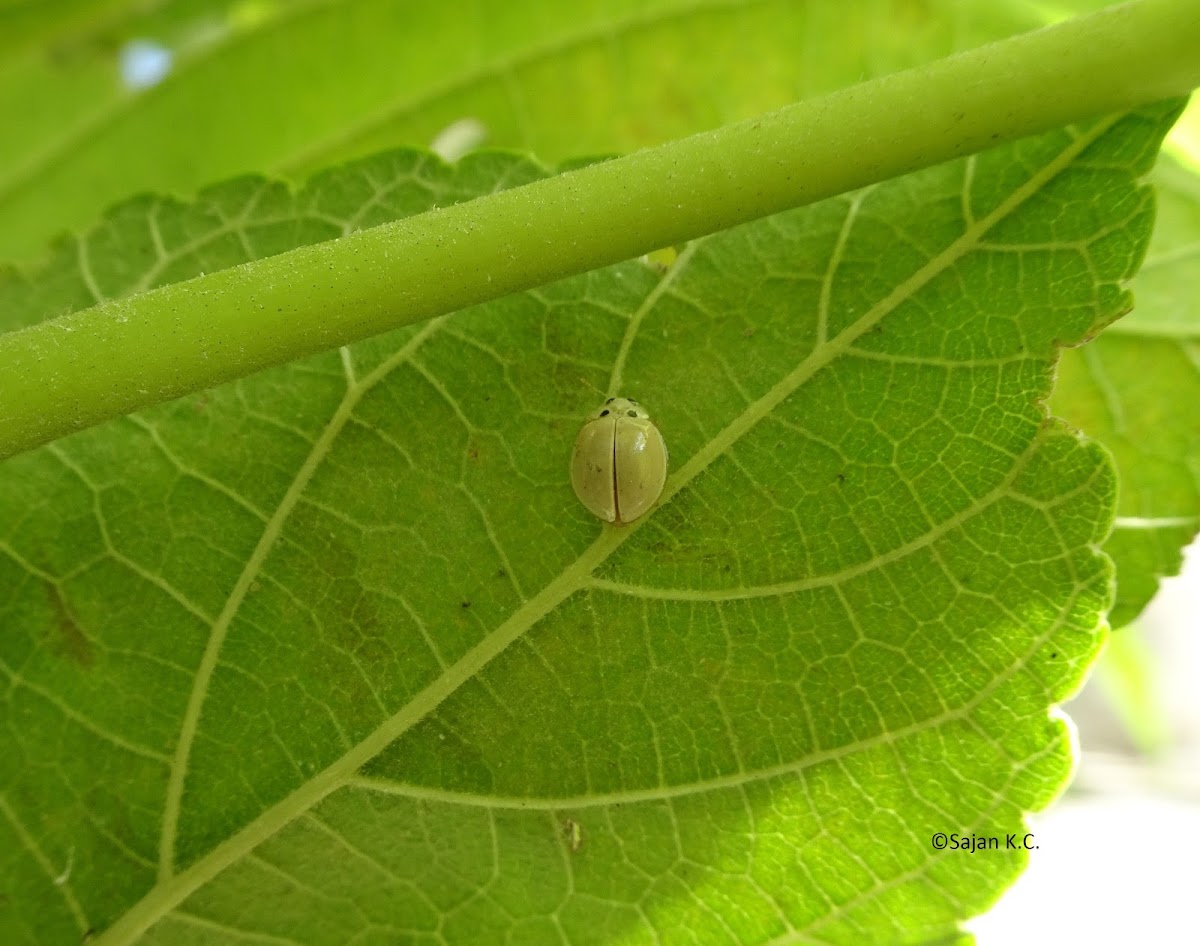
(298, 86)
(1136, 388)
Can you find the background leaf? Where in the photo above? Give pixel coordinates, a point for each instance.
(289, 88)
(1136, 388)
(69, 72)
(333, 651)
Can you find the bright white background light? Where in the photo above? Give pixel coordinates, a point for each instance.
(1118, 859)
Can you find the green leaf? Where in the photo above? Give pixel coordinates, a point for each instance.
(333, 652)
(1136, 388)
(296, 86)
(59, 99)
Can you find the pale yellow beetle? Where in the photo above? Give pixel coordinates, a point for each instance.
(619, 464)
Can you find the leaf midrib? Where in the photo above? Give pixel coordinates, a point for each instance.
(717, 783)
(169, 893)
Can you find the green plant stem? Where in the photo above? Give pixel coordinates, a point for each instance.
(77, 370)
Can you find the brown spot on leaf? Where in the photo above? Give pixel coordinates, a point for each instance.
(71, 639)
